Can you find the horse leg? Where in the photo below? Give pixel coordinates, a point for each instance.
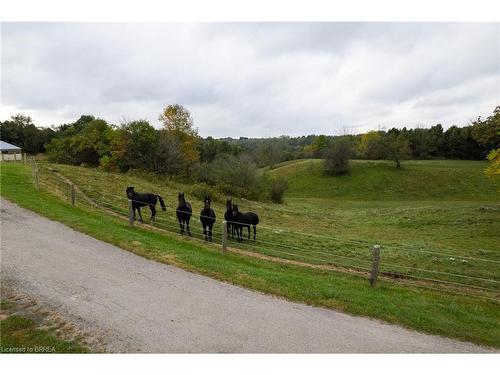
(204, 232)
(254, 232)
(210, 233)
(182, 227)
(153, 213)
(140, 216)
(248, 231)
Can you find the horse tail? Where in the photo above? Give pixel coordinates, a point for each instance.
(162, 204)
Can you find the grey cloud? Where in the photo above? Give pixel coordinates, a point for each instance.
(254, 79)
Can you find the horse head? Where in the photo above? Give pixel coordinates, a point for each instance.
(181, 198)
(229, 205)
(130, 192)
(235, 210)
(207, 201)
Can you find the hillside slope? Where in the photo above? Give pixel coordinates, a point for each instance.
(380, 180)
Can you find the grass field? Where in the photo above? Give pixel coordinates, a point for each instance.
(460, 226)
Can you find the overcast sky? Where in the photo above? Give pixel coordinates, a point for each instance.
(254, 79)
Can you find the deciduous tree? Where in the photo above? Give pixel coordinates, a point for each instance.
(178, 121)
(337, 157)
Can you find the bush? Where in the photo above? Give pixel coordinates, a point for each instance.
(337, 157)
(232, 176)
(199, 190)
(107, 164)
(277, 190)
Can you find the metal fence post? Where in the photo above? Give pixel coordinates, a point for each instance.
(130, 212)
(72, 194)
(375, 263)
(224, 236)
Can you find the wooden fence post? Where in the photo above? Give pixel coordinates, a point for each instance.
(224, 236)
(375, 263)
(37, 179)
(72, 194)
(130, 212)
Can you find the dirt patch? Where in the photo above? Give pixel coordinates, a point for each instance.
(22, 304)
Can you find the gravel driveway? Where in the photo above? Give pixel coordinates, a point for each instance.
(138, 305)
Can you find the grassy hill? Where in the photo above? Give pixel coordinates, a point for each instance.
(380, 180)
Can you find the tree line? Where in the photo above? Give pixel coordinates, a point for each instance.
(176, 148)
(478, 141)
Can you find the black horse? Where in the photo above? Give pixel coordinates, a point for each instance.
(184, 213)
(144, 199)
(244, 219)
(207, 218)
(228, 216)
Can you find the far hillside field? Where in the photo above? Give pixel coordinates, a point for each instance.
(417, 180)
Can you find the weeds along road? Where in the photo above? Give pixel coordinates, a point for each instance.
(138, 305)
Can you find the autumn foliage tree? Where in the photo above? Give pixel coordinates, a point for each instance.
(178, 123)
(371, 145)
(493, 170)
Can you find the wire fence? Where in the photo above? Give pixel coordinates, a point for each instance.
(475, 275)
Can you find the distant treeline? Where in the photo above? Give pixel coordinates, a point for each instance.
(177, 149)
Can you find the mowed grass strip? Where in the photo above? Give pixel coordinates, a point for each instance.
(459, 316)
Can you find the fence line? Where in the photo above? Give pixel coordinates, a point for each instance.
(299, 248)
(454, 291)
(346, 257)
(496, 291)
(357, 242)
(306, 257)
(397, 265)
(440, 272)
(344, 240)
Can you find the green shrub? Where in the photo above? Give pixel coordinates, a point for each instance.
(277, 190)
(107, 164)
(200, 189)
(232, 176)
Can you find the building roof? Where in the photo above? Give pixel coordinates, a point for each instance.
(4, 146)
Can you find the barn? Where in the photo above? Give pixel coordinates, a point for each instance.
(10, 152)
